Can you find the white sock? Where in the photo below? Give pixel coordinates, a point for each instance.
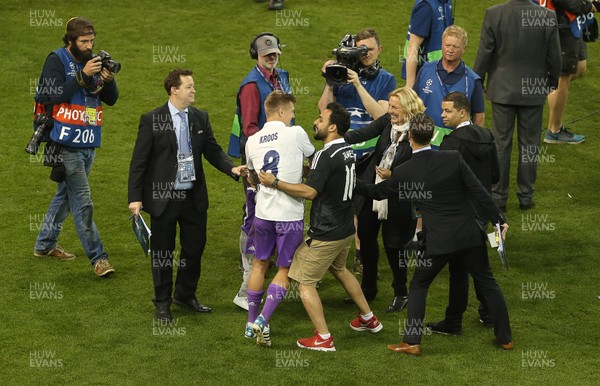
(367, 316)
(325, 336)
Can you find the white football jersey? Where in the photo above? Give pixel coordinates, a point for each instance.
(280, 150)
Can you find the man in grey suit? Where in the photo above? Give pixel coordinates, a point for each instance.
(519, 50)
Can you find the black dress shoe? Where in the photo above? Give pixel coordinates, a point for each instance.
(398, 304)
(276, 5)
(192, 305)
(443, 328)
(163, 314)
(526, 205)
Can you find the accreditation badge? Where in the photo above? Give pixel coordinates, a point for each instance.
(91, 111)
(185, 168)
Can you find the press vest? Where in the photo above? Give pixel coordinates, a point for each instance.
(237, 139)
(77, 123)
(442, 19)
(576, 22)
(432, 91)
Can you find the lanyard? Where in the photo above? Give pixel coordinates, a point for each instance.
(443, 85)
(273, 86)
(189, 134)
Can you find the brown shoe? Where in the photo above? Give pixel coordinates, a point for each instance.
(102, 267)
(410, 349)
(507, 346)
(58, 253)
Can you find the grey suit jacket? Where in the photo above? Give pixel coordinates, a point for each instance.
(519, 52)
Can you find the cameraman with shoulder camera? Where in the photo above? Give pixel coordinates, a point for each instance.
(364, 95)
(80, 83)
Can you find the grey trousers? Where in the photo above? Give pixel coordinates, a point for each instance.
(247, 259)
(529, 128)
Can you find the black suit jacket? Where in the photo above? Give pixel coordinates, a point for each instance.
(153, 164)
(441, 183)
(477, 147)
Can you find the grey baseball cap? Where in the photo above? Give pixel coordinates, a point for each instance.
(267, 44)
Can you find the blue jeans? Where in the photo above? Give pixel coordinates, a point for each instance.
(73, 194)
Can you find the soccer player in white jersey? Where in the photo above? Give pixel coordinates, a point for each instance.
(278, 149)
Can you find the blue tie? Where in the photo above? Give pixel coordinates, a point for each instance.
(184, 137)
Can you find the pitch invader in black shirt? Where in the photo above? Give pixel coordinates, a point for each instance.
(330, 185)
(332, 174)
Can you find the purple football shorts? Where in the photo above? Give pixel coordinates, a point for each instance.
(286, 236)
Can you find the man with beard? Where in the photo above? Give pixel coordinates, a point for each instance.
(330, 185)
(72, 87)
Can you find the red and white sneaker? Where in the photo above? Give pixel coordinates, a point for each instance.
(359, 324)
(316, 343)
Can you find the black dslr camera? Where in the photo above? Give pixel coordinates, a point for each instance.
(107, 62)
(40, 132)
(347, 56)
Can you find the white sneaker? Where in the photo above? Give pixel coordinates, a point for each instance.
(241, 302)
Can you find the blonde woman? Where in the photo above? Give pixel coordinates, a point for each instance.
(394, 217)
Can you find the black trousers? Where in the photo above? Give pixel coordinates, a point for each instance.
(458, 295)
(368, 232)
(192, 238)
(459, 285)
(476, 262)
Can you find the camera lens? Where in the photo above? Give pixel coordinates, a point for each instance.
(336, 74)
(113, 66)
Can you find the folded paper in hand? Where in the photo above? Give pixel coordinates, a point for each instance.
(142, 232)
(496, 241)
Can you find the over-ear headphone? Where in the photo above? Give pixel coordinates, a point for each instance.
(254, 48)
(370, 72)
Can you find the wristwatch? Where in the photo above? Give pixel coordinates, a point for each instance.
(275, 182)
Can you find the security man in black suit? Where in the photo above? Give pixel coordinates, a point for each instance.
(442, 184)
(477, 147)
(167, 180)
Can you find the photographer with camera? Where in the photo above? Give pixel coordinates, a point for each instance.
(71, 89)
(365, 92)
